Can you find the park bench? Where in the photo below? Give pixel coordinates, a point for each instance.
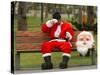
(29, 41)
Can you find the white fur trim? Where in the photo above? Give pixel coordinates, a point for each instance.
(58, 30)
(50, 23)
(68, 35)
(66, 54)
(59, 40)
(54, 20)
(46, 54)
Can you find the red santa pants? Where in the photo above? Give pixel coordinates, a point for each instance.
(64, 47)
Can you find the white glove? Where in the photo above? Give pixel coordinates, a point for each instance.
(50, 23)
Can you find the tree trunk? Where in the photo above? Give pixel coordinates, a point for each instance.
(35, 9)
(80, 15)
(42, 12)
(46, 11)
(22, 20)
(84, 18)
(90, 15)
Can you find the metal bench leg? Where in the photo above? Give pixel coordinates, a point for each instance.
(93, 56)
(17, 61)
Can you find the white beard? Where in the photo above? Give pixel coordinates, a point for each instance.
(83, 49)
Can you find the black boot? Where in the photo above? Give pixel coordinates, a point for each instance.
(64, 63)
(47, 64)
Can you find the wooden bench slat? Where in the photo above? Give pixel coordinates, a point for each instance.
(29, 50)
(31, 39)
(29, 33)
(27, 46)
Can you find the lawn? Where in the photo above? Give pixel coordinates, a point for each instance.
(34, 60)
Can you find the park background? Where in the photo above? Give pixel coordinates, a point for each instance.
(6, 35)
(28, 16)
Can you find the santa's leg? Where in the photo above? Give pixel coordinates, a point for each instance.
(64, 63)
(47, 64)
(66, 49)
(46, 51)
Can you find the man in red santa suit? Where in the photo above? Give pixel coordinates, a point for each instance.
(61, 34)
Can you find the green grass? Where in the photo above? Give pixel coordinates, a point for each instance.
(31, 22)
(34, 60)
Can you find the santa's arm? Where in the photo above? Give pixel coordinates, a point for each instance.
(44, 28)
(69, 33)
(47, 26)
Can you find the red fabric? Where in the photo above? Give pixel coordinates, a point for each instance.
(65, 27)
(65, 47)
(47, 47)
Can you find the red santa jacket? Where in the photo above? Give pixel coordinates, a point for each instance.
(65, 27)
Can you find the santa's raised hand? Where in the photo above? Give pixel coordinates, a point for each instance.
(50, 23)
